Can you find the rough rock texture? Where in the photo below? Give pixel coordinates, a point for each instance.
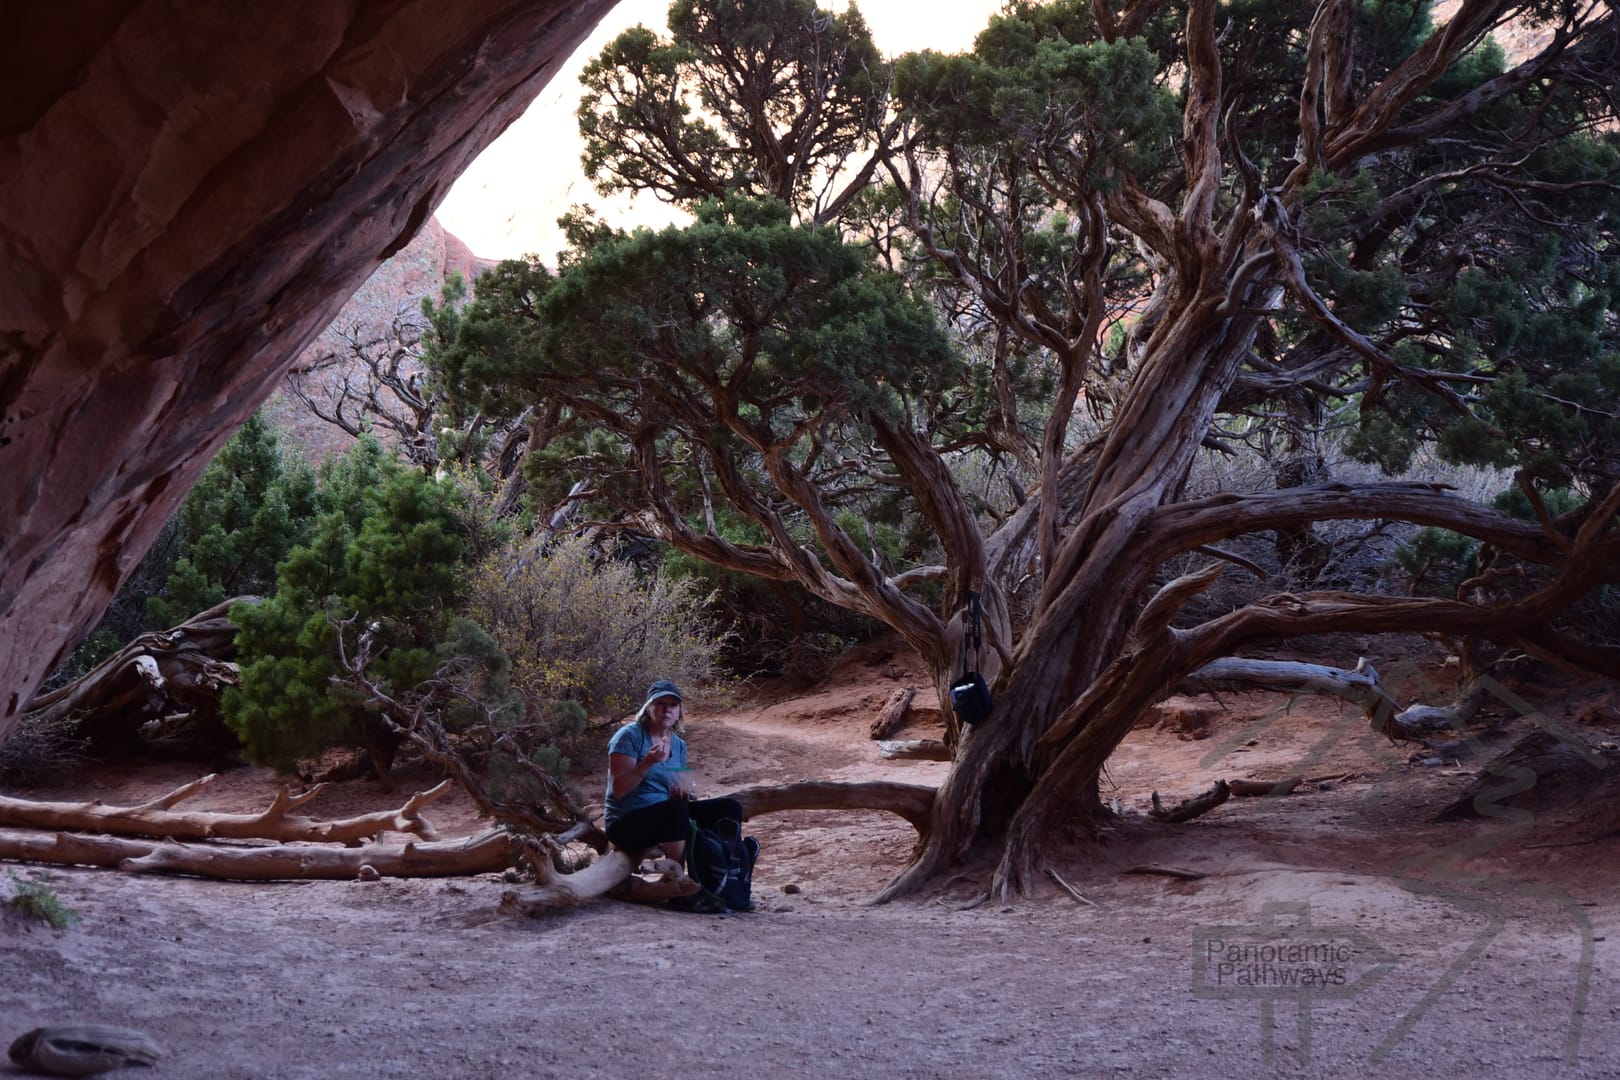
(418, 270)
(188, 193)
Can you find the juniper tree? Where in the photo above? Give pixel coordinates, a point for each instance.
(385, 560)
(768, 98)
(1362, 210)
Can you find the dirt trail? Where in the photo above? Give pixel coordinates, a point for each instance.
(1398, 947)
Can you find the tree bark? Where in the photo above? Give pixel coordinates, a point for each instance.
(184, 669)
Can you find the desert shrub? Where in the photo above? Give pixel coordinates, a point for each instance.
(38, 901)
(39, 747)
(580, 628)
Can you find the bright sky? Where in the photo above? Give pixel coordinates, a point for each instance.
(507, 202)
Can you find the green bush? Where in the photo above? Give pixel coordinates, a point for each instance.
(386, 554)
(37, 900)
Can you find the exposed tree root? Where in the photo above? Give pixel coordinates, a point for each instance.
(1262, 788)
(1196, 806)
(911, 801)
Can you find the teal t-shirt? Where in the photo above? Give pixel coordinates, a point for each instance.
(634, 741)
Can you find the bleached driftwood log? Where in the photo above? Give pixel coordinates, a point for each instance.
(489, 851)
(612, 874)
(1360, 686)
(156, 818)
(892, 717)
(914, 750)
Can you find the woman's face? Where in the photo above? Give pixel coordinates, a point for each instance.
(664, 712)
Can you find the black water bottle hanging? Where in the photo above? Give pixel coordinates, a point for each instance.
(970, 697)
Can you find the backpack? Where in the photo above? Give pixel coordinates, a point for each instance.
(721, 860)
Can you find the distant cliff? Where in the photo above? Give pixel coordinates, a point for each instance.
(417, 271)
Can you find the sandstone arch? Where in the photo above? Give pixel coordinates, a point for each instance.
(188, 194)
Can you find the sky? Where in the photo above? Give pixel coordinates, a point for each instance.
(506, 204)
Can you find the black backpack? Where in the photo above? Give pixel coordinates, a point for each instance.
(721, 860)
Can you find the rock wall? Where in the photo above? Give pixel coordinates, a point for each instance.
(188, 193)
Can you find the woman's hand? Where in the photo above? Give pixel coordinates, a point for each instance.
(658, 752)
(682, 787)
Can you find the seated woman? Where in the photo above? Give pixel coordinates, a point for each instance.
(650, 791)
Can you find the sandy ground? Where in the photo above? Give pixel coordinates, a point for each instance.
(1339, 931)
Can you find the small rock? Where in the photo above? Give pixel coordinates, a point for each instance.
(791, 888)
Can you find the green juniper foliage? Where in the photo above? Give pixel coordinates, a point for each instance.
(254, 503)
(38, 901)
(703, 364)
(386, 552)
(760, 99)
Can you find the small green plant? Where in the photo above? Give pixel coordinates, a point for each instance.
(37, 900)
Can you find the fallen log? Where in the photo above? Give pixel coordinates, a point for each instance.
(1360, 686)
(893, 715)
(489, 851)
(611, 875)
(914, 750)
(1193, 807)
(156, 818)
(1254, 788)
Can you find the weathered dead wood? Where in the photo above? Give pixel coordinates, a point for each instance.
(914, 750)
(1254, 788)
(416, 718)
(892, 717)
(911, 801)
(1542, 769)
(1360, 685)
(487, 852)
(155, 818)
(83, 1049)
(1166, 871)
(182, 670)
(1193, 807)
(611, 875)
